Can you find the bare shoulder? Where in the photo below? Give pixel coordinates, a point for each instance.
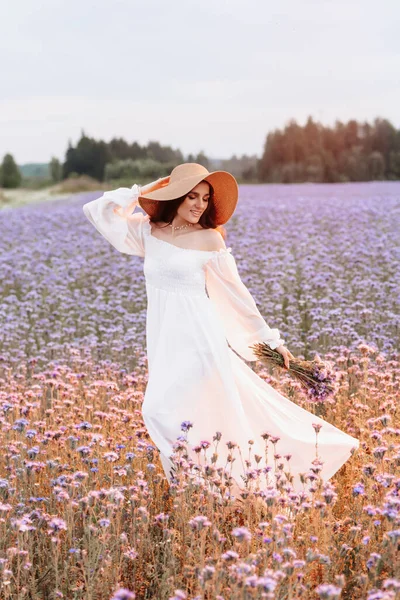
(212, 240)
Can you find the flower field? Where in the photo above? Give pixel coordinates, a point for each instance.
(85, 509)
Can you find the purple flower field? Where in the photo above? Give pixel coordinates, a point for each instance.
(322, 262)
(85, 509)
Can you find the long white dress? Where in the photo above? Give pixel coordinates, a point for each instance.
(196, 305)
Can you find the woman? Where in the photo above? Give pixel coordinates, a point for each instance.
(196, 305)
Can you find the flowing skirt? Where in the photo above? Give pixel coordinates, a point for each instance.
(195, 376)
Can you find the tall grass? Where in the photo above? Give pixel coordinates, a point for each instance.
(86, 508)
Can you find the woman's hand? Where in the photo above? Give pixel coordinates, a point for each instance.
(285, 353)
(154, 185)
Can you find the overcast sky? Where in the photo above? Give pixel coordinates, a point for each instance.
(211, 75)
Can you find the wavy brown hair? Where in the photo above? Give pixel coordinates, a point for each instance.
(167, 210)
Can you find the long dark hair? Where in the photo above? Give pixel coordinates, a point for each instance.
(167, 210)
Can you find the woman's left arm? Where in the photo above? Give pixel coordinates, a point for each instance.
(242, 321)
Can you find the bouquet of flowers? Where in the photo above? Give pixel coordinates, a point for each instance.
(316, 376)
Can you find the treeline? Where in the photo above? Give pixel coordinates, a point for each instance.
(119, 162)
(346, 152)
(118, 159)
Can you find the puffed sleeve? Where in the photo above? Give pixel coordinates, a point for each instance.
(112, 216)
(242, 321)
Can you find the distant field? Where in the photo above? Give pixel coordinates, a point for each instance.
(20, 196)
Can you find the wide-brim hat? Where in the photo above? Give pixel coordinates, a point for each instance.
(185, 177)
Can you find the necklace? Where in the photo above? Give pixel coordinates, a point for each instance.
(180, 227)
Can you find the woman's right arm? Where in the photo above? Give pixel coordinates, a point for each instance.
(111, 215)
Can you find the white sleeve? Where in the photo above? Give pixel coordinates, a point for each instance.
(111, 215)
(242, 321)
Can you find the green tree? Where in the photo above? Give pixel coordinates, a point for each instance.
(315, 168)
(346, 152)
(10, 175)
(140, 171)
(384, 140)
(163, 154)
(394, 165)
(55, 169)
(376, 163)
(91, 156)
(88, 158)
(353, 164)
(330, 166)
(202, 159)
(312, 132)
(119, 149)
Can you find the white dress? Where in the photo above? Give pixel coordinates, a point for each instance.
(196, 305)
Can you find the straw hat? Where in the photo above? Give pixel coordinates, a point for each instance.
(185, 177)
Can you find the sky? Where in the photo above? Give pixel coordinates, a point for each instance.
(199, 75)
